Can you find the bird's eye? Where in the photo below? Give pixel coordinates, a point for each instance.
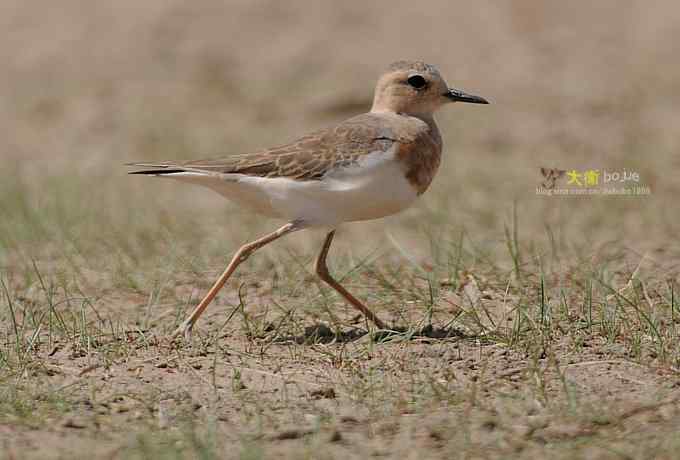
(417, 81)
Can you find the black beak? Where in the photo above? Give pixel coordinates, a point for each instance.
(461, 96)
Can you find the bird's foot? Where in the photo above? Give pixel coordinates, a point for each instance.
(184, 330)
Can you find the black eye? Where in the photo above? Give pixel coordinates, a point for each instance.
(417, 81)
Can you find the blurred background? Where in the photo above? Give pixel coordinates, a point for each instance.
(87, 86)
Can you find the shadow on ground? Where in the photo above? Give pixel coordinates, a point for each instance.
(320, 333)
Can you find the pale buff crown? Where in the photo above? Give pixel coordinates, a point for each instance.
(395, 92)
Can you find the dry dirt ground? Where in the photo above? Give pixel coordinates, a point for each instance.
(432, 399)
(496, 378)
(529, 326)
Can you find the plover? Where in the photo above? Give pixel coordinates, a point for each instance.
(370, 166)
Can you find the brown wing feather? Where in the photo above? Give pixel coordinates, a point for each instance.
(312, 156)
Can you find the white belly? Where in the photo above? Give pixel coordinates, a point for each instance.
(376, 187)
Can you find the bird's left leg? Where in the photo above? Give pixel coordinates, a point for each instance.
(241, 255)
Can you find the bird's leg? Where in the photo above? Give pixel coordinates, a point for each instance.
(241, 255)
(322, 271)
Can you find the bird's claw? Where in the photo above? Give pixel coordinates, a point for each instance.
(184, 330)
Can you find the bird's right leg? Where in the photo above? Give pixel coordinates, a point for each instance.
(324, 274)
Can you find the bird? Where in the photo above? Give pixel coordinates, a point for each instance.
(367, 167)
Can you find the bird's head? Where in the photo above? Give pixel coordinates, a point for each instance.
(414, 87)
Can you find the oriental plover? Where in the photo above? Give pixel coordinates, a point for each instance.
(370, 166)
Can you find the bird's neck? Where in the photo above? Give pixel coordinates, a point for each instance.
(427, 117)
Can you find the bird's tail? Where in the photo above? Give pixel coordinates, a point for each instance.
(157, 172)
(167, 169)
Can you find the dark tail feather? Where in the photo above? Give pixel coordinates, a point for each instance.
(156, 172)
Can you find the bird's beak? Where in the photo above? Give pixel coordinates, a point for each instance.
(457, 95)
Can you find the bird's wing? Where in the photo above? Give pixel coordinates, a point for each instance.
(307, 158)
